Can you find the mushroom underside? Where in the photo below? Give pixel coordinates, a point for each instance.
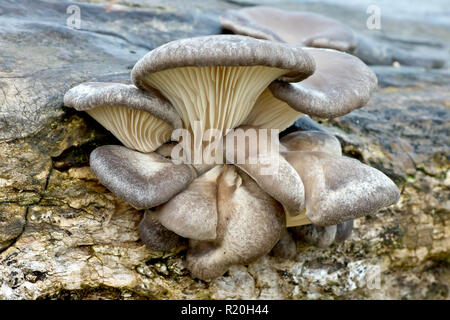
(136, 129)
(271, 113)
(217, 97)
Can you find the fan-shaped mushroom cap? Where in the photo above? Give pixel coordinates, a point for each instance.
(340, 84)
(155, 235)
(312, 141)
(250, 223)
(140, 120)
(338, 189)
(216, 80)
(193, 212)
(305, 28)
(143, 180)
(259, 157)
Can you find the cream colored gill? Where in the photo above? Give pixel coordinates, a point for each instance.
(298, 220)
(220, 97)
(271, 113)
(136, 129)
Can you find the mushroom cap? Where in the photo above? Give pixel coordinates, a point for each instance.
(340, 84)
(193, 212)
(91, 95)
(155, 235)
(268, 168)
(306, 28)
(338, 189)
(312, 141)
(144, 180)
(250, 223)
(224, 50)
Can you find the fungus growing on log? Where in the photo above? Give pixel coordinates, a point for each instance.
(232, 210)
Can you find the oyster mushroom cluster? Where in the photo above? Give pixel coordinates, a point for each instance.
(231, 210)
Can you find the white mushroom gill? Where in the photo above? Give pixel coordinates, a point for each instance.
(219, 97)
(136, 129)
(271, 113)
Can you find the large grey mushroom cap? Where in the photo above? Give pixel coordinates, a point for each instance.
(91, 95)
(214, 81)
(338, 189)
(305, 28)
(340, 84)
(224, 50)
(144, 180)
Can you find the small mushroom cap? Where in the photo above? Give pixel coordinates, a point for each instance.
(306, 28)
(155, 235)
(224, 50)
(268, 168)
(91, 95)
(141, 121)
(338, 189)
(249, 225)
(193, 212)
(312, 141)
(144, 180)
(340, 84)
